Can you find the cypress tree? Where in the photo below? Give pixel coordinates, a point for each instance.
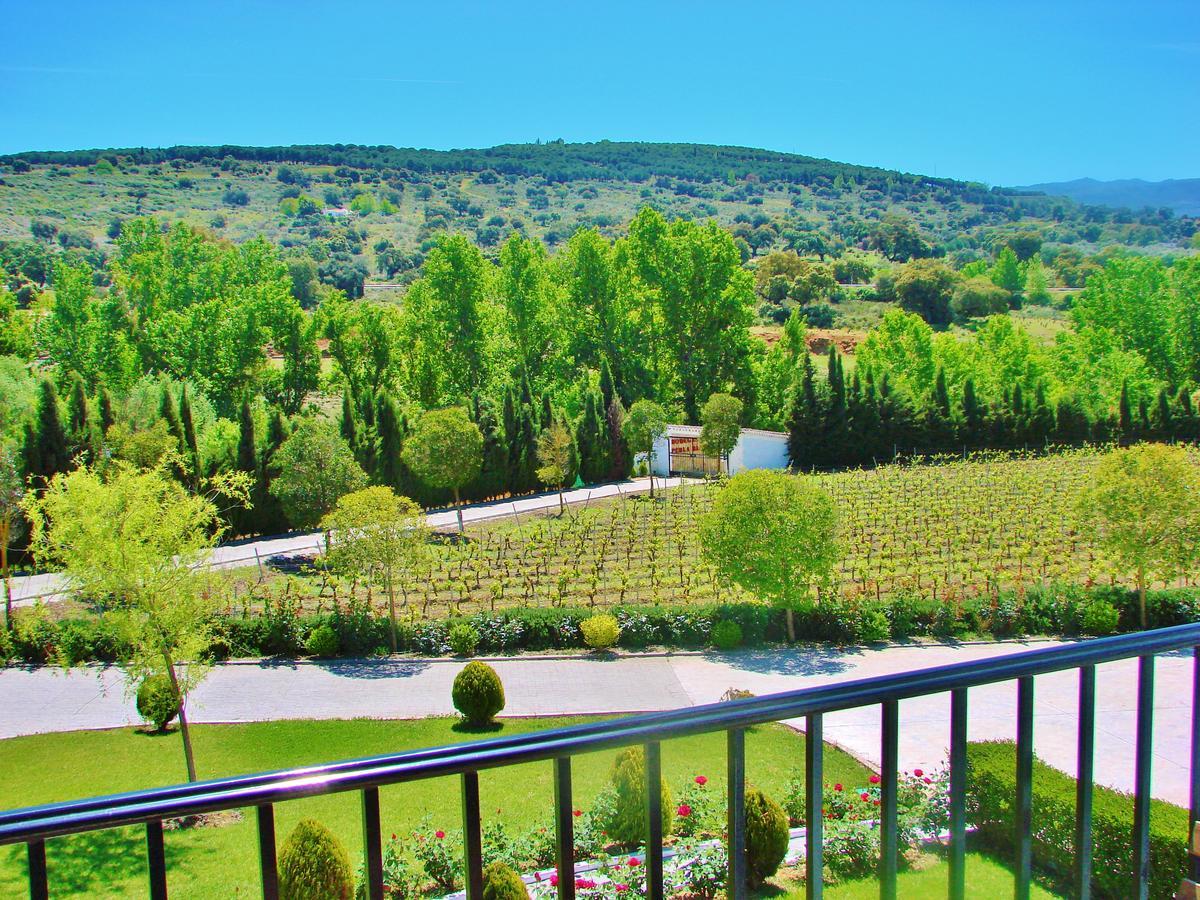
(1071, 426)
(938, 426)
(348, 425)
(973, 416)
(367, 450)
(1185, 421)
(47, 452)
(387, 426)
(191, 449)
(245, 521)
(167, 411)
(77, 413)
(547, 416)
(1041, 419)
(620, 459)
(591, 441)
(804, 420)
(1161, 425)
(493, 475)
(835, 433)
(1143, 420)
(271, 517)
(1125, 415)
(107, 416)
(608, 386)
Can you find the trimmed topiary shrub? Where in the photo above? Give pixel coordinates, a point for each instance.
(766, 836)
(500, 882)
(463, 639)
(627, 822)
(991, 806)
(600, 632)
(323, 641)
(313, 865)
(478, 693)
(156, 701)
(727, 635)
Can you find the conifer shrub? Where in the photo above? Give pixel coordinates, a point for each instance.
(500, 882)
(627, 822)
(478, 693)
(313, 865)
(600, 632)
(766, 836)
(156, 701)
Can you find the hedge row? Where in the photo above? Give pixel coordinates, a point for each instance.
(1069, 610)
(991, 789)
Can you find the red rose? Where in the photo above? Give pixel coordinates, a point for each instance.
(620, 888)
(684, 811)
(918, 772)
(439, 834)
(865, 796)
(701, 780)
(578, 813)
(553, 881)
(929, 781)
(876, 802)
(837, 787)
(874, 779)
(634, 862)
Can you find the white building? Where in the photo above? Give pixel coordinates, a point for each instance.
(678, 452)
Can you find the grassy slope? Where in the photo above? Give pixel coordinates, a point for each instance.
(987, 878)
(223, 861)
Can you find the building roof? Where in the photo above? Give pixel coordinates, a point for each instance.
(694, 431)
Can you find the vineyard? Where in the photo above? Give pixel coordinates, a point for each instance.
(946, 531)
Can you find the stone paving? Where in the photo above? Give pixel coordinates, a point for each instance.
(46, 700)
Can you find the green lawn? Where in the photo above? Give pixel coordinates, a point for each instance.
(222, 862)
(986, 878)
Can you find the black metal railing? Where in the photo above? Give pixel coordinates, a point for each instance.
(35, 825)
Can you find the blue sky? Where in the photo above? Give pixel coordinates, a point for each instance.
(1006, 93)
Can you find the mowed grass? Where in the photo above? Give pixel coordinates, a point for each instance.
(222, 861)
(987, 878)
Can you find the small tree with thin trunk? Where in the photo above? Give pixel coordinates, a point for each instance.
(775, 535)
(131, 540)
(316, 467)
(555, 451)
(720, 426)
(644, 424)
(1143, 509)
(445, 450)
(12, 520)
(376, 533)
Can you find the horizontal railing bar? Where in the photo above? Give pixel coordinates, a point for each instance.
(253, 790)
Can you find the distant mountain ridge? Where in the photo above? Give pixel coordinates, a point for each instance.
(1180, 195)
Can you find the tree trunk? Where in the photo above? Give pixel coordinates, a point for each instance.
(8, 624)
(391, 590)
(562, 508)
(1142, 596)
(791, 626)
(184, 730)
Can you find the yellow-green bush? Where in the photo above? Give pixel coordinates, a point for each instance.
(313, 865)
(500, 882)
(600, 632)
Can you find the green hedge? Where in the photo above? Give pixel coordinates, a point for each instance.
(991, 792)
(281, 631)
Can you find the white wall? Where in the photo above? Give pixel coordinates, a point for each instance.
(754, 450)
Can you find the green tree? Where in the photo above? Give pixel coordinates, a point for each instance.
(924, 287)
(12, 520)
(374, 532)
(445, 449)
(46, 449)
(134, 539)
(774, 535)
(644, 424)
(1143, 509)
(315, 468)
(1006, 273)
(721, 426)
(556, 459)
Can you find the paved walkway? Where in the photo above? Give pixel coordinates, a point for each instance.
(48, 587)
(44, 700)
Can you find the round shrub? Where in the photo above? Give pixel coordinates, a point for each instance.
(478, 693)
(727, 635)
(463, 639)
(500, 882)
(313, 865)
(323, 641)
(600, 632)
(766, 835)
(627, 822)
(1100, 617)
(156, 701)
